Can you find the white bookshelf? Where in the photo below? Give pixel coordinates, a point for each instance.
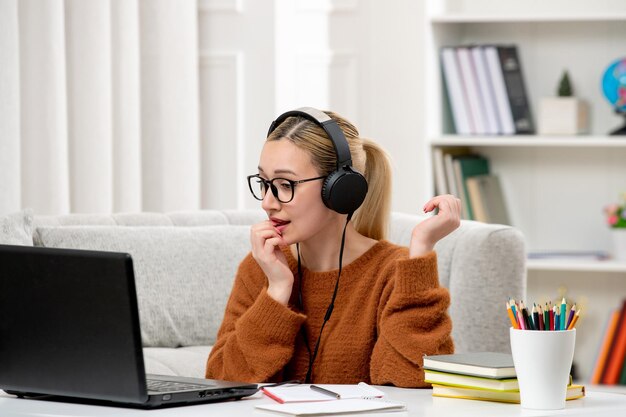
(573, 265)
(555, 187)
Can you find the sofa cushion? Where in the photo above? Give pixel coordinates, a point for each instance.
(183, 361)
(183, 275)
(16, 228)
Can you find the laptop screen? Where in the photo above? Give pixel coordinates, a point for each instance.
(69, 324)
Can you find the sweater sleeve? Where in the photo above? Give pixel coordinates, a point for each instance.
(413, 321)
(257, 336)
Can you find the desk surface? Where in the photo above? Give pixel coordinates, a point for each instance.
(419, 403)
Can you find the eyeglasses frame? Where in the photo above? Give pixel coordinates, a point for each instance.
(272, 187)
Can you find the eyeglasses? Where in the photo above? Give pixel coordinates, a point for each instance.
(282, 188)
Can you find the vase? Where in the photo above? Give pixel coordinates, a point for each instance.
(619, 244)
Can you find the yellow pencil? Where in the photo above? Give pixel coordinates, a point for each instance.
(574, 320)
(510, 313)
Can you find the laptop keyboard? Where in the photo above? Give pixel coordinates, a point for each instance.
(169, 386)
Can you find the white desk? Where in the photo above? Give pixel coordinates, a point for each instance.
(419, 403)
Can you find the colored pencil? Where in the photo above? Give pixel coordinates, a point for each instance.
(509, 311)
(520, 320)
(535, 319)
(574, 320)
(557, 317)
(571, 316)
(540, 314)
(513, 309)
(563, 315)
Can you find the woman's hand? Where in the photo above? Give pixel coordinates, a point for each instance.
(266, 241)
(431, 230)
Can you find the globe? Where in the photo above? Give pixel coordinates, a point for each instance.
(614, 89)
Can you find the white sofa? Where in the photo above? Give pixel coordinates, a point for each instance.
(185, 263)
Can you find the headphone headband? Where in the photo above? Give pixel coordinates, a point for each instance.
(344, 189)
(332, 129)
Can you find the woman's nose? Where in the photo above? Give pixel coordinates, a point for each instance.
(269, 200)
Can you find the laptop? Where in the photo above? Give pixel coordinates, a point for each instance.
(69, 327)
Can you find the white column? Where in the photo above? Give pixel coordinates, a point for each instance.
(43, 106)
(88, 31)
(169, 109)
(9, 108)
(126, 106)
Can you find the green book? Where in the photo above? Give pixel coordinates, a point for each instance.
(466, 166)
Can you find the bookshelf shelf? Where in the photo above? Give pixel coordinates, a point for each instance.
(531, 141)
(526, 18)
(575, 265)
(555, 187)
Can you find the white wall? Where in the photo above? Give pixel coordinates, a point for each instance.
(362, 60)
(160, 105)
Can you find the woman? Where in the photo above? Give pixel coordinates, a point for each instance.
(308, 307)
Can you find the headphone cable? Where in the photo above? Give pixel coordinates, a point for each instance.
(331, 306)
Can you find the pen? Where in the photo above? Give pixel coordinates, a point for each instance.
(325, 391)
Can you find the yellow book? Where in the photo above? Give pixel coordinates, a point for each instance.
(573, 392)
(469, 381)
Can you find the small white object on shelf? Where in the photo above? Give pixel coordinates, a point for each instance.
(563, 116)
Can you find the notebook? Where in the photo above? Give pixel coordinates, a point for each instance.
(70, 328)
(303, 392)
(470, 381)
(485, 364)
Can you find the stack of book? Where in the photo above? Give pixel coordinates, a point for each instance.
(466, 175)
(610, 366)
(485, 89)
(487, 376)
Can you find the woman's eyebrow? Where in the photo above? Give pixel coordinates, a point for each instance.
(279, 171)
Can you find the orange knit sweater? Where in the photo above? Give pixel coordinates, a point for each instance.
(389, 312)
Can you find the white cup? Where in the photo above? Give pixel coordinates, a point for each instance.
(543, 360)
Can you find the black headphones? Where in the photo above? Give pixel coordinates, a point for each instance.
(344, 189)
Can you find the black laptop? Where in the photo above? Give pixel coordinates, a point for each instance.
(69, 327)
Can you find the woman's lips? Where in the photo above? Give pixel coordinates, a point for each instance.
(280, 225)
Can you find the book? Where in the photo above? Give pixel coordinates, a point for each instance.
(468, 381)
(505, 117)
(516, 91)
(573, 392)
(455, 92)
(466, 166)
(353, 406)
(485, 192)
(448, 154)
(617, 352)
(484, 364)
(304, 393)
(603, 351)
(474, 100)
(486, 90)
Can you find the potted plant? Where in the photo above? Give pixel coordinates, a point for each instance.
(616, 219)
(564, 114)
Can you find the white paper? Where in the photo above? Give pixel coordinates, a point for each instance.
(332, 407)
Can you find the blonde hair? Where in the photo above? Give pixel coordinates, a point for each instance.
(372, 218)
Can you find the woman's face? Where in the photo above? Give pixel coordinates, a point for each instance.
(306, 215)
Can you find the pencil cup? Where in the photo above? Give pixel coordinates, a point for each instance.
(543, 360)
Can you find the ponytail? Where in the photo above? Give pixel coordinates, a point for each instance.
(372, 218)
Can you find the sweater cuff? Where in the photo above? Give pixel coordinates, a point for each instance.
(417, 274)
(276, 321)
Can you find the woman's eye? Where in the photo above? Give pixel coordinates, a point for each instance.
(285, 185)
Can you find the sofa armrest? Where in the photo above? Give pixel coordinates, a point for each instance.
(482, 265)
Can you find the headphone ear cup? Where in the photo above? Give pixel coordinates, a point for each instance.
(344, 190)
